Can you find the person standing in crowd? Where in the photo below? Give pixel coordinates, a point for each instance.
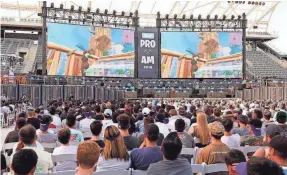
(13, 136)
(181, 115)
(243, 130)
(163, 128)
(64, 113)
(32, 118)
(24, 162)
(27, 140)
(255, 138)
(43, 135)
(186, 139)
(229, 139)
(217, 114)
(171, 164)
(216, 151)
(96, 129)
(148, 152)
(257, 113)
(86, 122)
(281, 126)
(87, 156)
(281, 109)
(56, 119)
(108, 113)
(65, 148)
(131, 142)
(263, 166)
(114, 156)
(267, 121)
(98, 115)
(200, 130)
(75, 134)
(236, 162)
(208, 111)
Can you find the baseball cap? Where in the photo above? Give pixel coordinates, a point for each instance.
(216, 128)
(279, 144)
(145, 111)
(108, 112)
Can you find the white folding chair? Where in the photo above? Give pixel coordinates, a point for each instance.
(70, 172)
(219, 167)
(74, 143)
(197, 168)
(49, 147)
(9, 145)
(249, 149)
(189, 151)
(138, 172)
(64, 157)
(117, 172)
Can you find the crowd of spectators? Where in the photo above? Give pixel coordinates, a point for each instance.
(149, 136)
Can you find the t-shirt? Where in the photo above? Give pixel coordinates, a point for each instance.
(212, 154)
(241, 131)
(11, 137)
(171, 123)
(232, 141)
(141, 158)
(131, 142)
(44, 162)
(112, 164)
(282, 129)
(85, 123)
(186, 139)
(46, 137)
(34, 122)
(66, 165)
(101, 143)
(162, 128)
(56, 121)
(170, 167)
(264, 126)
(140, 126)
(76, 135)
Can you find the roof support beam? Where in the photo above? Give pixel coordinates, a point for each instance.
(173, 7)
(214, 7)
(184, 7)
(153, 7)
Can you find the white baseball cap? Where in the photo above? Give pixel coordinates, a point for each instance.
(146, 111)
(108, 112)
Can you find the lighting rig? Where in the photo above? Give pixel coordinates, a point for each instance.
(199, 23)
(88, 17)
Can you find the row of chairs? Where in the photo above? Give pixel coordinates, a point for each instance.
(200, 169)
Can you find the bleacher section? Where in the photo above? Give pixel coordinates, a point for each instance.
(261, 64)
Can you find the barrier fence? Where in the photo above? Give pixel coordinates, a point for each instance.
(41, 94)
(263, 93)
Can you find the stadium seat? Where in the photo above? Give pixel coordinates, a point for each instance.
(219, 167)
(118, 172)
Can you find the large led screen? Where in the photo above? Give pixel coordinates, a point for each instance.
(201, 55)
(75, 50)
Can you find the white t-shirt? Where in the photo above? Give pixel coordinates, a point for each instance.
(232, 141)
(5, 109)
(66, 165)
(56, 121)
(85, 123)
(163, 128)
(38, 145)
(171, 123)
(112, 164)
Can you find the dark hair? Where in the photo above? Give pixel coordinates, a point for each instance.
(267, 115)
(64, 135)
(281, 117)
(71, 120)
(228, 124)
(171, 146)
(217, 137)
(234, 156)
(152, 132)
(160, 118)
(258, 113)
(263, 166)
(217, 112)
(257, 123)
(24, 161)
(52, 110)
(123, 121)
(96, 127)
(98, 109)
(37, 110)
(20, 122)
(27, 135)
(179, 125)
(23, 115)
(46, 119)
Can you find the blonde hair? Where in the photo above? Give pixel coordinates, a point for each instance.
(202, 128)
(114, 145)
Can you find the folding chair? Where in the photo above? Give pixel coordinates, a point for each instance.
(64, 157)
(189, 151)
(138, 172)
(219, 167)
(197, 168)
(9, 145)
(117, 172)
(249, 149)
(49, 147)
(74, 143)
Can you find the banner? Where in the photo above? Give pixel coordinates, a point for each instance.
(148, 59)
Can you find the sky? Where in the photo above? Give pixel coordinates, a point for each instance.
(278, 24)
